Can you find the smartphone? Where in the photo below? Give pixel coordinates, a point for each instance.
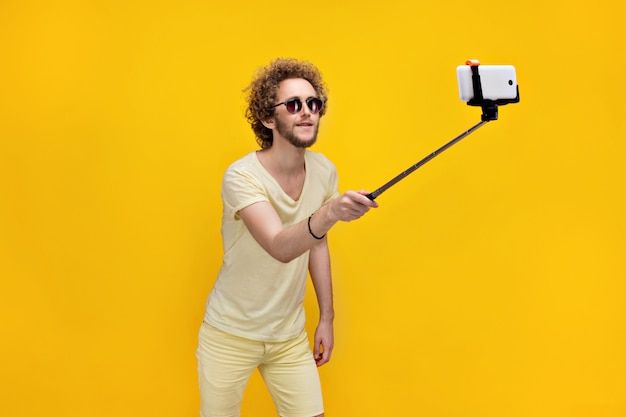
(498, 82)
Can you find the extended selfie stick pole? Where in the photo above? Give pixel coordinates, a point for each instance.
(380, 190)
(490, 112)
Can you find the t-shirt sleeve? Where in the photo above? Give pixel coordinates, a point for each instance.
(239, 190)
(333, 185)
(332, 188)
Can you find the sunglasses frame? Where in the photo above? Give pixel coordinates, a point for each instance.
(298, 104)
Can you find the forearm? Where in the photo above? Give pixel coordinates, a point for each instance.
(295, 240)
(299, 238)
(319, 269)
(282, 243)
(287, 243)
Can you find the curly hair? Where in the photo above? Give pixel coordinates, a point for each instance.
(264, 86)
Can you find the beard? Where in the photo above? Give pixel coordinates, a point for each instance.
(288, 133)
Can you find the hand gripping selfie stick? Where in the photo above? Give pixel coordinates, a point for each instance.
(490, 112)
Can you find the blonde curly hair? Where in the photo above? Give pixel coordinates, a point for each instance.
(262, 92)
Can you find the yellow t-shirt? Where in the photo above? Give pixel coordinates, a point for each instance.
(256, 296)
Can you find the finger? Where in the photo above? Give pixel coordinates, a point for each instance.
(319, 351)
(366, 201)
(321, 360)
(324, 357)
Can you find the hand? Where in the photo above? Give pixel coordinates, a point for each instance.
(351, 205)
(323, 343)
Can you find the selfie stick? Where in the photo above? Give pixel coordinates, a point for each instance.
(490, 112)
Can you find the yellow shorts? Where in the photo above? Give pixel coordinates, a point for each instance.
(226, 363)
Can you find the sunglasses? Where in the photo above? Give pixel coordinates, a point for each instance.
(294, 105)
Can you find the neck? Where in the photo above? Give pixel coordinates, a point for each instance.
(283, 157)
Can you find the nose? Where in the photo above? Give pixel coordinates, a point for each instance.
(305, 109)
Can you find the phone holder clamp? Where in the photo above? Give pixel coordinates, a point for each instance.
(489, 107)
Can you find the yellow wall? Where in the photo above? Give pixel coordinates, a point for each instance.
(489, 283)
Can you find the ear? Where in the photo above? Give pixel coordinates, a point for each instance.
(269, 123)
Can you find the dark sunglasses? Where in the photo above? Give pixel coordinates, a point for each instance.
(294, 105)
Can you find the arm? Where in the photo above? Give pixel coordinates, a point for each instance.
(286, 244)
(319, 268)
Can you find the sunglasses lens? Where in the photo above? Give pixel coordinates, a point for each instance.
(293, 106)
(314, 104)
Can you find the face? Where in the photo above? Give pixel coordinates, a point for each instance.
(299, 129)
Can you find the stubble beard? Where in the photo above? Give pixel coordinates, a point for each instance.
(289, 134)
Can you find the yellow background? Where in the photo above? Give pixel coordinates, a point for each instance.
(489, 283)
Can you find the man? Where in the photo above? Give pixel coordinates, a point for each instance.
(278, 204)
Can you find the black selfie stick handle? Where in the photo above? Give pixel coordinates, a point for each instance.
(400, 176)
